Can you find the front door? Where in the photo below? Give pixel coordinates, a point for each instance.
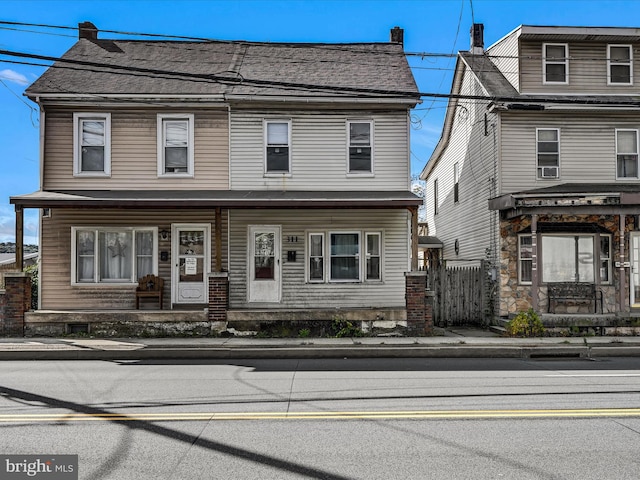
(264, 264)
(635, 269)
(191, 263)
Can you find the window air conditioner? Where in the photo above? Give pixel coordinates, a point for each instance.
(549, 172)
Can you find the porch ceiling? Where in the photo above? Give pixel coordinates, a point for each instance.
(216, 199)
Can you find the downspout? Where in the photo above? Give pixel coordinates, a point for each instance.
(40, 220)
(623, 273)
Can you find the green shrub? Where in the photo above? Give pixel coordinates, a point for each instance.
(526, 324)
(304, 333)
(344, 328)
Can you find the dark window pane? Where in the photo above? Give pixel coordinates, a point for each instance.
(175, 159)
(556, 73)
(627, 166)
(316, 268)
(360, 159)
(93, 159)
(620, 74)
(373, 268)
(344, 268)
(277, 159)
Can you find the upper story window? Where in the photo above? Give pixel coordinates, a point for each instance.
(548, 152)
(278, 146)
(627, 154)
(555, 63)
(360, 146)
(619, 65)
(175, 145)
(456, 182)
(92, 144)
(435, 196)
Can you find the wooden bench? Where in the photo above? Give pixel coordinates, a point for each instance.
(149, 286)
(573, 292)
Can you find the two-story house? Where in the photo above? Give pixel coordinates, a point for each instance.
(537, 169)
(260, 181)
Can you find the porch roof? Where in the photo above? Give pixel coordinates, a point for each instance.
(573, 197)
(216, 199)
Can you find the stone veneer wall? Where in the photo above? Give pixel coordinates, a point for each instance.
(515, 298)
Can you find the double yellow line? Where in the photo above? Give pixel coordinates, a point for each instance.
(384, 415)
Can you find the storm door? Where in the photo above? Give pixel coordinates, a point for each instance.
(191, 250)
(264, 263)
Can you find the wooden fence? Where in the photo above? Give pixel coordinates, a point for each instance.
(460, 295)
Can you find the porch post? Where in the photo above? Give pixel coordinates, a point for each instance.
(534, 262)
(622, 270)
(218, 227)
(414, 239)
(19, 238)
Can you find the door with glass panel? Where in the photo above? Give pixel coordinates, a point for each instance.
(264, 264)
(635, 269)
(191, 263)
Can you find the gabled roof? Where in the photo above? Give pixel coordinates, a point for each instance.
(226, 69)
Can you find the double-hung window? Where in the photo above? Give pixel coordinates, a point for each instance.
(619, 65)
(555, 63)
(112, 255)
(548, 152)
(349, 256)
(360, 146)
(175, 145)
(92, 144)
(277, 146)
(626, 154)
(525, 258)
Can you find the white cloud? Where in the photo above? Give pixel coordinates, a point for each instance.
(8, 225)
(14, 77)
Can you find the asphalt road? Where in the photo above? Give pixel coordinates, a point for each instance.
(333, 419)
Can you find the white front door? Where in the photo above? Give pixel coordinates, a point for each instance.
(635, 269)
(264, 263)
(191, 253)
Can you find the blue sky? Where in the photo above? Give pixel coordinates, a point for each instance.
(431, 26)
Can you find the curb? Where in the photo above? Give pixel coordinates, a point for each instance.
(307, 352)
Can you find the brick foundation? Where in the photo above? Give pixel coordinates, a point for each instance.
(17, 300)
(218, 296)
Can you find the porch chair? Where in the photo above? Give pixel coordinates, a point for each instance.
(149, 286)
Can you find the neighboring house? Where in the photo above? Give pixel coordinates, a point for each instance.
(259, 180)
(537, 168)
(8, 263)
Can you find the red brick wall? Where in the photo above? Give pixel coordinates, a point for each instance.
(218, 297)
(17, 300)
(419, 311)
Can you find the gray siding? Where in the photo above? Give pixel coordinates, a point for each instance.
(504, 55)
(319, 151)
(587, 147)
(468, 220)
(296, 293)
(587, 70)
(55, 264)
(134, 152)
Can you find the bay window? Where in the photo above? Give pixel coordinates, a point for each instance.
(112, 255)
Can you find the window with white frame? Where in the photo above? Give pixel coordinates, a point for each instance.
(360, 146)
(92, 144)
(525, 258)
(112, 255)
(627, 153)
(277, 146)
(175, 145)
(555, 63)
(316, 257)
(619, 65)
(548, 152)
(373, 256)
(573, 258)
(347, 256)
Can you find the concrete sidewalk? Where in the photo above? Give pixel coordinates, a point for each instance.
(451, 342)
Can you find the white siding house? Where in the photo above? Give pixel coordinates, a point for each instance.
(552, 168)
